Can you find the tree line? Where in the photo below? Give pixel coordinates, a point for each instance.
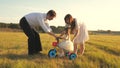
(16, 26)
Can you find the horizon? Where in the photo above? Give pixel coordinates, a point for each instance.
(63, 26)
(96, 14)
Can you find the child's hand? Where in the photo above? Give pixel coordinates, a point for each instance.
(57, 38)
(61, 37)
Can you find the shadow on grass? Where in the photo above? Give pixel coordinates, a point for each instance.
(23, 56)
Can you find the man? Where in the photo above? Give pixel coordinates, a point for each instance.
(28, 24)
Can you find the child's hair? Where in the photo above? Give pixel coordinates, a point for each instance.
(69, 16)
(52, 13)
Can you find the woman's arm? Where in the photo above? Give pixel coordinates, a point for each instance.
(75, 35)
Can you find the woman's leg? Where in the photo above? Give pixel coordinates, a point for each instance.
(75, 48)
(82, 48)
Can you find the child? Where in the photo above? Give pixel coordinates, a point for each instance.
(65, 35)
(80, 33)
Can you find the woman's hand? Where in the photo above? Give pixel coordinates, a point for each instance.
(72, 39)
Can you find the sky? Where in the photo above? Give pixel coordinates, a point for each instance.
(96, 14)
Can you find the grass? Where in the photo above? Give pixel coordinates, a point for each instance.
(102, 51)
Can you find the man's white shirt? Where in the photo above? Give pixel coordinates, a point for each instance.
(38, 19)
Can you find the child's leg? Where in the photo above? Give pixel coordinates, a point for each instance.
(82, 48)
(75, 48)
(61, 52)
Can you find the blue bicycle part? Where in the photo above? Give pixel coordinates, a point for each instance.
(52, 53)
(67, 54)
(72, 56)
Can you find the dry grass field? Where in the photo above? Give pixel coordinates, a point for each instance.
(102, 51)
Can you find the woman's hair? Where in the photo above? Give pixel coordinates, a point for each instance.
(52, 13)
(69, 16)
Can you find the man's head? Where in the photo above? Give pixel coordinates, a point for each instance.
(51, 14)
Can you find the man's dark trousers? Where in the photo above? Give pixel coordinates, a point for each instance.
(34, 43)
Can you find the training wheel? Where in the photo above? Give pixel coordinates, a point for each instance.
(52, 53)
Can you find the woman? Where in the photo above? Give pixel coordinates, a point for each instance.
(80, 33)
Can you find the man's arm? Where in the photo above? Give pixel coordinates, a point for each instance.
(52, 34)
